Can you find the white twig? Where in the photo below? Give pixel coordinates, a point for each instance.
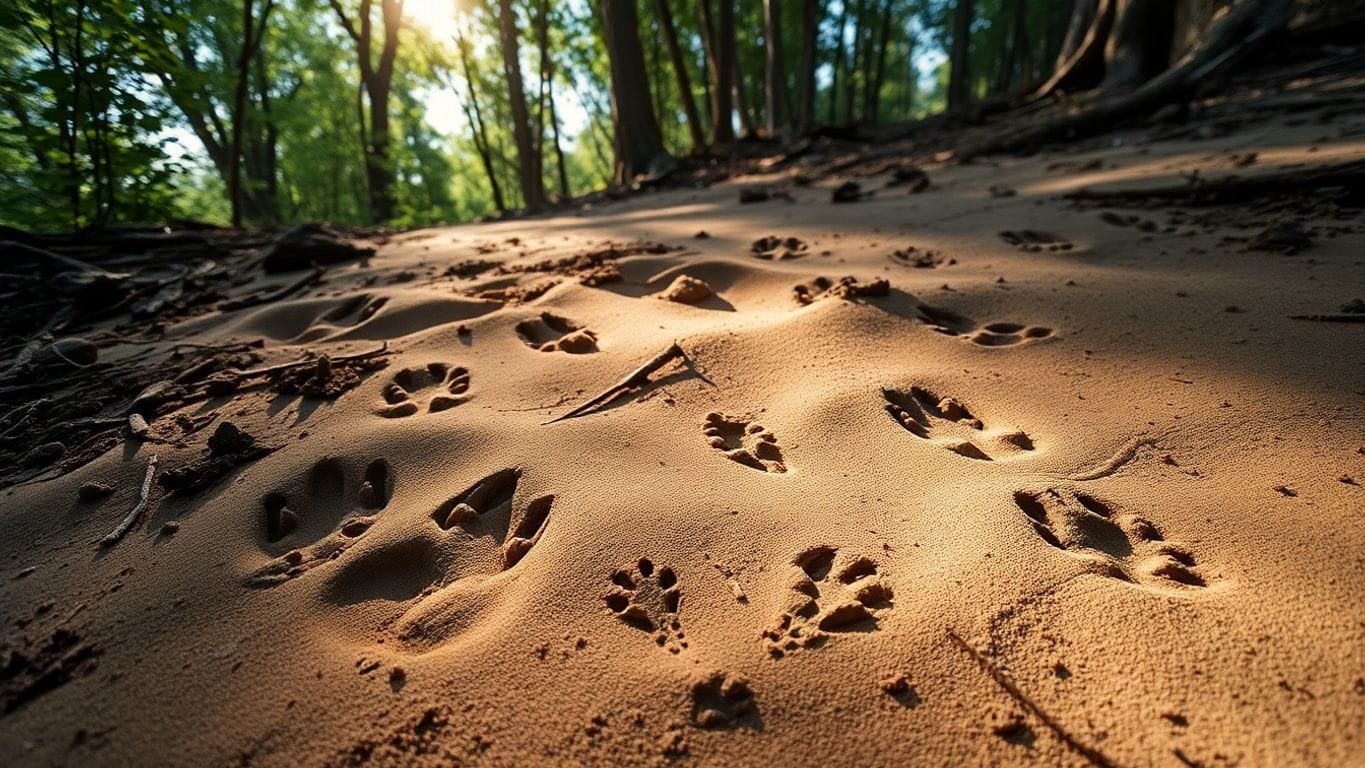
(136, 511)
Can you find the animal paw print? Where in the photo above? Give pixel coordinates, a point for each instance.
(485, 508)
(722, 701)
(831, 594)
(437, 387)
(948, 423)
(1003, 334)
(1033, 240)
(744, 442)
(552, 333)
(320, 521)
(774, 248)
(1117, 544)
(648, 599)
(846, 288)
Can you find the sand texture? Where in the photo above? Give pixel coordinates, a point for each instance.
(945, 477)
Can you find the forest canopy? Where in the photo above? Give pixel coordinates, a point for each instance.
(414, 112)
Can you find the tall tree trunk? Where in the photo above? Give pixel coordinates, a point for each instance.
(1139, 43)
(855, 66)
(840, 67)
(873, 94)
(810, 41)
(959, 56)
(375, 80)
(564, 193)
(475, 117)
(675, 53)
(719, 40)
(253, 30)
(747, 122)
(775, 89)
(528, 168)
(639, 147)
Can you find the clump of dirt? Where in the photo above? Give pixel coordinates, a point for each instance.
(228, 448)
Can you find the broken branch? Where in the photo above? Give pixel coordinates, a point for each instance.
(636, 378)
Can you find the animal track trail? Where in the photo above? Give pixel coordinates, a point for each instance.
(744, 442)
(947, 422)
(319, 521)
(1117, 544)
(434, 388)
(831, 593)
(998, 334)
(1033, 241)
(552, 333)
(774, 248)
(648, 599)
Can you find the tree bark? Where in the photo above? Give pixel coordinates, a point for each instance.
(775, 88)
(253, 30)
(675, 54)
(873, 95)
(528, 169)
(720, 64)
(637, 142)
(810, 41)
(959, 56)
(475, 117)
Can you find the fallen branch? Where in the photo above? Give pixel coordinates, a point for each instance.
(136, 511)
(636, 378)
(1090, 753)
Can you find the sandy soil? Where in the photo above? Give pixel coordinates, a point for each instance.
(1082, 481)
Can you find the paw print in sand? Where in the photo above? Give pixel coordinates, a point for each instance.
(722, 701)
(649, 599)
(435, 388)
(1116, 544)
(774, 248)
(744, 442)
(831, 593)
(552, 333)
(947, 422)
(313, 524)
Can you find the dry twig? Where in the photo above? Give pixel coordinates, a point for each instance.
(136, 511)
(636, 378)
(1090, 753)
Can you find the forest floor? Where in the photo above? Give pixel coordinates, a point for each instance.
(961, 473)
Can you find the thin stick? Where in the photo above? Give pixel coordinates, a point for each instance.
(1090, 753)
(136, 511)
(636, 378)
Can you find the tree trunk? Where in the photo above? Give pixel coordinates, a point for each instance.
(675, 53)
(475, 117)
(855, 65)
(959, 56)
(839, 66)
(532, 188)
(747, 122)
(775, 89)
(1139, 44)
(564, 193)
(810, 41)
(720, 66)
(638, 145)
(252, 32)
(872, 96)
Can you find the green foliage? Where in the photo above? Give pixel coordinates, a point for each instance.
(121, 110)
